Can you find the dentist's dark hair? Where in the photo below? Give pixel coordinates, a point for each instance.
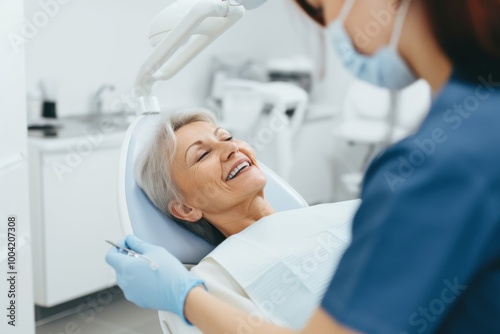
(468, 31)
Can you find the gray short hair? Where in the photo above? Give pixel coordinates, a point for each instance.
(152, 170)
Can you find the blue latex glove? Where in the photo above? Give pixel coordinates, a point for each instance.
(164, 289)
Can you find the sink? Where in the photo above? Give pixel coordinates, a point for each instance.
(79, 125)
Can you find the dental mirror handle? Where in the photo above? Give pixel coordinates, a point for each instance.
(130, 252)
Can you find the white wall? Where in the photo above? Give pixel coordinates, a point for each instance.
(14, 180)
(86, 44)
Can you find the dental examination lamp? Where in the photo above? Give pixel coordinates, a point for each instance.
(179, 33)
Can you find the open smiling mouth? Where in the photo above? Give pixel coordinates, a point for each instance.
(236, 170)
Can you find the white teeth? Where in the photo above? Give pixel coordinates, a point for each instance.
(237, 170)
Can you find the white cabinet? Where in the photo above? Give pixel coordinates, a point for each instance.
(74, 208)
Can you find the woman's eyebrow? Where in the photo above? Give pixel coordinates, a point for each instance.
(199, 142)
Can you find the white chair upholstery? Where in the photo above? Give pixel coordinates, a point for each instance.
(140, 217)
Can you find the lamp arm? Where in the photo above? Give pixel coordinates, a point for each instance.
(199, 41)
(181, 45)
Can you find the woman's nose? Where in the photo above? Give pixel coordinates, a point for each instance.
(228, 148)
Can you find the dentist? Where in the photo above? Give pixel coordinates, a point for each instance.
(425, 253)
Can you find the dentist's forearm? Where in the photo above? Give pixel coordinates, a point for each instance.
(213, 316)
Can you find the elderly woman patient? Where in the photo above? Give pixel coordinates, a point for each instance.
(265, 262)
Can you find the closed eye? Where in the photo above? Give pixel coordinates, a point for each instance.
(203, 156)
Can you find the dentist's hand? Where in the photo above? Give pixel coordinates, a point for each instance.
(163, 289)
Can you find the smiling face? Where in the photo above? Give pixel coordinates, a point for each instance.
(214, 172)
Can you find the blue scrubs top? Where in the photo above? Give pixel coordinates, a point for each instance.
(425, 254)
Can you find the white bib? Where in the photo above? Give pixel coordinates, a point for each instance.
(285, 261)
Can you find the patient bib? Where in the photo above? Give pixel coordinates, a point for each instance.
(285, 261)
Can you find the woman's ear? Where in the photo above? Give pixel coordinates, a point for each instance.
(184, 212)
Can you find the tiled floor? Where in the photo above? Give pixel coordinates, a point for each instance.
(110, 316)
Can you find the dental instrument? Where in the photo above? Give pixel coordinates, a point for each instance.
(132, 253)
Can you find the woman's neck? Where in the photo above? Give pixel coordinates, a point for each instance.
(241, 216)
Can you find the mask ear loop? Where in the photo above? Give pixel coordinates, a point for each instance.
(396, 35)
(399, 23)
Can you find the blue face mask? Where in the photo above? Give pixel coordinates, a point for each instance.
(386, 68)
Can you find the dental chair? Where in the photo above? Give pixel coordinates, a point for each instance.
(139, 216)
